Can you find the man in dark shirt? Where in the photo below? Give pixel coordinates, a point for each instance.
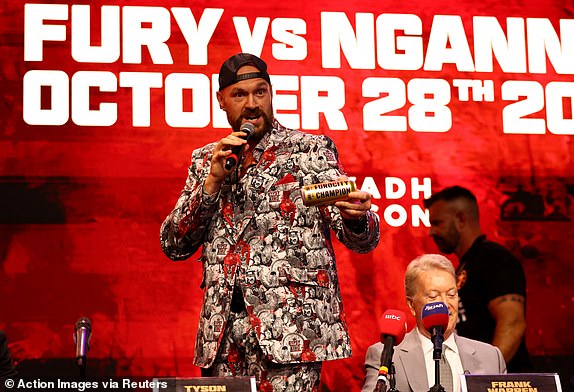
(491, 282)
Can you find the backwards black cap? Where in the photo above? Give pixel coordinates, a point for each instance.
(228, 72)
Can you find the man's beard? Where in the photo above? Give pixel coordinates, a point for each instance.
(267, 123)
(443, 245)
(447, 243)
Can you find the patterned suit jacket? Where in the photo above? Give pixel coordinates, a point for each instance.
(257, 235)
(411, 373)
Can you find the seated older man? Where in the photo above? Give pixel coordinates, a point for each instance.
(431, 278)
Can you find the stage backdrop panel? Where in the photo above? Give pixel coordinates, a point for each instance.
(103, 102)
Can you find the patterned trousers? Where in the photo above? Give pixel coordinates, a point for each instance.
(241, 355)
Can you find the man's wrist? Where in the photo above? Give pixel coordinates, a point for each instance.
(211, 186)
(209, 199)
(210, 191)
(357, 225)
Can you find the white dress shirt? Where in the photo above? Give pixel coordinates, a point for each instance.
(452, 355)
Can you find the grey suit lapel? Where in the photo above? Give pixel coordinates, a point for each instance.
(412, 360)
(468, 356)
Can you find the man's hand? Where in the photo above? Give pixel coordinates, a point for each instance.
(356, 206)
(221, 151)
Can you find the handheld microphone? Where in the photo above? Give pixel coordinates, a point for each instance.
(393, 327)
(82, 337)
(435, 320)
(232, 159)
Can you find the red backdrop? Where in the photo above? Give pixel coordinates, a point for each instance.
(94, 148)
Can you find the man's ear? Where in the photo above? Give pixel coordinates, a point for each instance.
(461, 220)
(411, 306)
(220, 101)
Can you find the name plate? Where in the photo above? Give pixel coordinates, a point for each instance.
(205, 384)
(513, 382)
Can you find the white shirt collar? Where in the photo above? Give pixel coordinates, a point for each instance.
(451, 353)
(428, 346)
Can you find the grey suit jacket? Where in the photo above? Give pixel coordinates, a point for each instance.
(411, 374)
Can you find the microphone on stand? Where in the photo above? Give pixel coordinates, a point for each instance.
(393, 327)
(82, 337)
(435, 320)
(232, 159)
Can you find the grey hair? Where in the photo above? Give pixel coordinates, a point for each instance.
(426, 262)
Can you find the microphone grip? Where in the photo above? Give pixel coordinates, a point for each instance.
(231, 160)
(81, 346)
(437, 338)
(387, 354)
(81, 342)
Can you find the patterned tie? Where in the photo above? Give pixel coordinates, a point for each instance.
(445, 374)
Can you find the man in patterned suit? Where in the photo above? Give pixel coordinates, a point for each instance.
(272, 304)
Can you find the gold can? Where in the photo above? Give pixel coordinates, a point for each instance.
(327, 192)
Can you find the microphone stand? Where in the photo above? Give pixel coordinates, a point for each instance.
(437, 339)
(383, 381)
(436, 387)
(392, 379)
(82, 366)
(387, 384)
